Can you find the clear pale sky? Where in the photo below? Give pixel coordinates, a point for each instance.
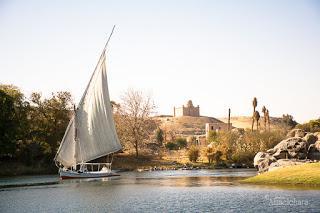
(220, 54)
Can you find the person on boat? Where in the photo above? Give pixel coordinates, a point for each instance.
(105, 169)
(83, 168)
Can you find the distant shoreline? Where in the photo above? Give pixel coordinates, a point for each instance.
(122, 165)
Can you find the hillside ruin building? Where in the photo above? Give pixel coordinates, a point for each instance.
(188, 110)
(217, 126)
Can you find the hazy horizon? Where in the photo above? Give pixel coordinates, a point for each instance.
(219, 54)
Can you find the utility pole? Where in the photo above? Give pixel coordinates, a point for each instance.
(229, 126)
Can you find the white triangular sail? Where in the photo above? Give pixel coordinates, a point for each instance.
(66, 151)
(95, 130)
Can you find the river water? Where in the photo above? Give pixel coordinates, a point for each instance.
(156, 191)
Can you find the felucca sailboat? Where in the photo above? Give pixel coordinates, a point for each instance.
(91, 132)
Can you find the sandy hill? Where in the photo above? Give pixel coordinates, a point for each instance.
(246, 121)
(186, 125)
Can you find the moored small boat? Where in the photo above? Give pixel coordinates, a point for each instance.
(69, 174)
(85, 172)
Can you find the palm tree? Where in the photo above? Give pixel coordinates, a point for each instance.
(256, 116)
(229, 126)
(264, 110)
(268, 118)
(252, 122)
(254, 104)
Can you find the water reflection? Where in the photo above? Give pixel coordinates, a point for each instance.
(200, 181)
(283, 187)
(180, 178)
(199, 178)
(163, 191)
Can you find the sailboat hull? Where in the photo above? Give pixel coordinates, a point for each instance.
(74, 174)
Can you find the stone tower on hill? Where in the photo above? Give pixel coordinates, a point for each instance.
(188, 110)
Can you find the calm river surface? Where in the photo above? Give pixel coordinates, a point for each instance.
(157, 191)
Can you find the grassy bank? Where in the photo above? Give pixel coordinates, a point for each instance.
(306, 174)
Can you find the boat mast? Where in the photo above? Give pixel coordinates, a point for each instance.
(102, 54)
(76, 139)
(85, 92)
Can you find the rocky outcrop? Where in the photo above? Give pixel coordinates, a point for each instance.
(317, 146)
(295, 147)
(296, 133)
(262, 161)
(311, 138)
(300, 147)
(314, 151)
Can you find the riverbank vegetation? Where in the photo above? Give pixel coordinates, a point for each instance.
(307, 174)
(31, 129)
(240, 146)
(178, 143)
(133, 119)
(311, 126)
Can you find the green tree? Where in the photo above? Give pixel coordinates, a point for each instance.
(250, 143)
(217, 156)
(311, 126)
(14, 124)
(31, 131)
(242, 146)
(210, 153)
(49, 117)
(159, 136)
(178, 143)
(181, 143)
(226, 143)
(193, 153)
(8, 125)
(171, 146)
(212, 136)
